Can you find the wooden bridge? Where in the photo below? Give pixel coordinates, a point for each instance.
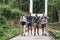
(32, 37)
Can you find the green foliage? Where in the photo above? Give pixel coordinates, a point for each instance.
(8, 31)
(9, 12)
(57, 35)
(6, 10)
(1, 1)
(53, 10)
(55, 26)
(38, 6)
(55, 15)
(52, 2)
(16, 13)
(1, 31)
(2, 20)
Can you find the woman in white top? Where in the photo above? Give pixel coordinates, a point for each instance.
(43, 23)
(23, 21)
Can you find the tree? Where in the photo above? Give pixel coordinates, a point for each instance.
(39, 6)
(53, 10)
(55, 15)
(5, 1)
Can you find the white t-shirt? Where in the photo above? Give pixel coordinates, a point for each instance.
(43, 21)
(23, 18)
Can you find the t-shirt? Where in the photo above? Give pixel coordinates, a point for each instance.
(43, 20)
(29, 18)
(36, 19)
(23, 18)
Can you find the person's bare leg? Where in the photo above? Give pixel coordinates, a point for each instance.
(34, 30)
(31, 30)
(37, 29)
(24, 29)
(28, 30)
(42, 30)
(45, 31)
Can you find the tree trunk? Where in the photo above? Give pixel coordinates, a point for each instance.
(4, 1)
(59, 17)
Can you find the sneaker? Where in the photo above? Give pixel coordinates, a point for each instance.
(24, 34)
(31, 33)
(45, 34)
(38, 33)
(21, 34)
(42, 34)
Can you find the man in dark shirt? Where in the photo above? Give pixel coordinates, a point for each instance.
(29, 23)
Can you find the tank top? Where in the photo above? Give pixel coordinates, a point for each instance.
(23, 18)
(36, 19)
(43, 20)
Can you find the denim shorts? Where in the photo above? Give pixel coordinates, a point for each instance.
(23, 23)
(29, 24)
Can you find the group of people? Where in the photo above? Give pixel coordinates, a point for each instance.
(30, 22)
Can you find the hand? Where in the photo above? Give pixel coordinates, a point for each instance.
(27, 22)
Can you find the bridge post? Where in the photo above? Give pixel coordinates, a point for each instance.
(31, 6)
(46, 6)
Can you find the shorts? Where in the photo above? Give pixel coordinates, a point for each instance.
(29, 24)
(43, 25)
(36, 25)
(23, 23)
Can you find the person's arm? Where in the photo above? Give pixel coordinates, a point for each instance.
(32, 19)
(20, 18)
(26, 19)
(47, 17)
(40, 19)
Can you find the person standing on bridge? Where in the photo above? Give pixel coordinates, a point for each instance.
(36, 24)
(29, 23)
(23, 21)
(43, 23)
